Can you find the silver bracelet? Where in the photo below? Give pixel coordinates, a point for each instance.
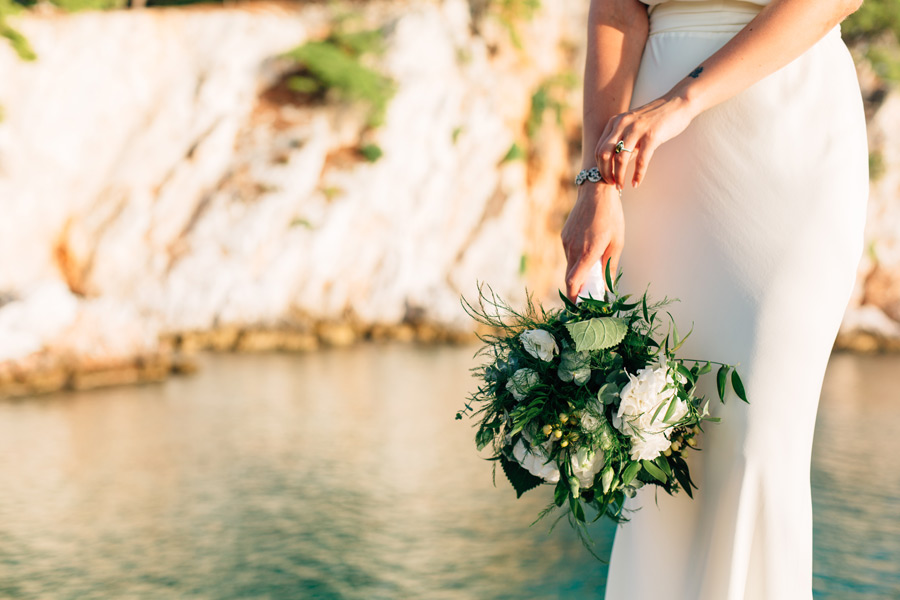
(592, 174)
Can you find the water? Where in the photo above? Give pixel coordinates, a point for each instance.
(342, 474)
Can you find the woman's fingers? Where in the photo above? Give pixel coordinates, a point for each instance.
(605, 150)
(622, 159)
(642, 160)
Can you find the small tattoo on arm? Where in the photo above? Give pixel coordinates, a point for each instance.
(696, 72)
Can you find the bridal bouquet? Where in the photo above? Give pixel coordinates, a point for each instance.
(585, 398)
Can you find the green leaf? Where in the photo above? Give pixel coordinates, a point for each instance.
(608, 393)
(483, 438)
(656, 412)
(518, 477)
(664, 465)
(738, 386)
(720, 381)
(653, 470)
(644, 307)
(598, 333)
(561, 492)
(577, 509)
(630, 473)
(684, 371)
(683, 479)
(704, 369)
(568, 303)
(680, 465)
(609, 281)
(671, 410)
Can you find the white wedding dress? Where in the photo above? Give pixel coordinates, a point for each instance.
(753, 217)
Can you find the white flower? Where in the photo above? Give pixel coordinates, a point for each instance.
(539, 343)
(640, 399)
(534, 459)
(586, 463)
(648, 447)
(591, 418)
(521, 382)
(589, 422)
(574, 366)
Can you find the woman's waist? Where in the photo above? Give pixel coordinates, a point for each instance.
(715, 16)
(707, 16)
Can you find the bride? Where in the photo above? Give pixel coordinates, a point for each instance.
(729, 152)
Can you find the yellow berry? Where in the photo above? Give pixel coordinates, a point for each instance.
(676, 446)
(564, 443)
(667, 452)
(684, 453)
(548, 429)
(692, 442)
(557, 433)
(563, 417)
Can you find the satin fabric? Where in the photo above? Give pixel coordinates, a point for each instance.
(753, 217)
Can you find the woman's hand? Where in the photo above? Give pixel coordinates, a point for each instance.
(642, 130)
(594, 230)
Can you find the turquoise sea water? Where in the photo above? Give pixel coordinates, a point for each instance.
(343, 475)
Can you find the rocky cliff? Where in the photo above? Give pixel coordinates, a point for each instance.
(166, 183)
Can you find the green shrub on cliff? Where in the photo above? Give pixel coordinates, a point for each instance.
(18, 41)
(336, 64)
(875, 30)
(874, 17)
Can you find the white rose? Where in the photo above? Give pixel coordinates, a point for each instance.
(534, 460)
(521, 382)
(591, 418)
(539, 343)
(589, 422)
(640, 399)
(574, 366)
(648, 447)
(586, 463)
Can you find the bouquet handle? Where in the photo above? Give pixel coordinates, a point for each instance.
(594, 286)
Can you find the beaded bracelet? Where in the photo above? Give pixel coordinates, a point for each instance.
(592, 174)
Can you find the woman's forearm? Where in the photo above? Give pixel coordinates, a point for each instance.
(781, 32)
(778, 34)
(617, 31)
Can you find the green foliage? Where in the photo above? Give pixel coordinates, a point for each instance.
(550, 95)
(598, 333)
(876, 165)
(874, 17)
(884, 56)
(510, 12)
(18, 41)
(876, 27)
(371, 152)
(519, 478)
(79, 5)
(515, 152)
(337, 64)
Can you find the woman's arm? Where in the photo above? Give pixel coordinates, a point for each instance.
(781, 32)
(617, 31)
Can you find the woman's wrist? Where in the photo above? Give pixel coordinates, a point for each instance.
(685, 97)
